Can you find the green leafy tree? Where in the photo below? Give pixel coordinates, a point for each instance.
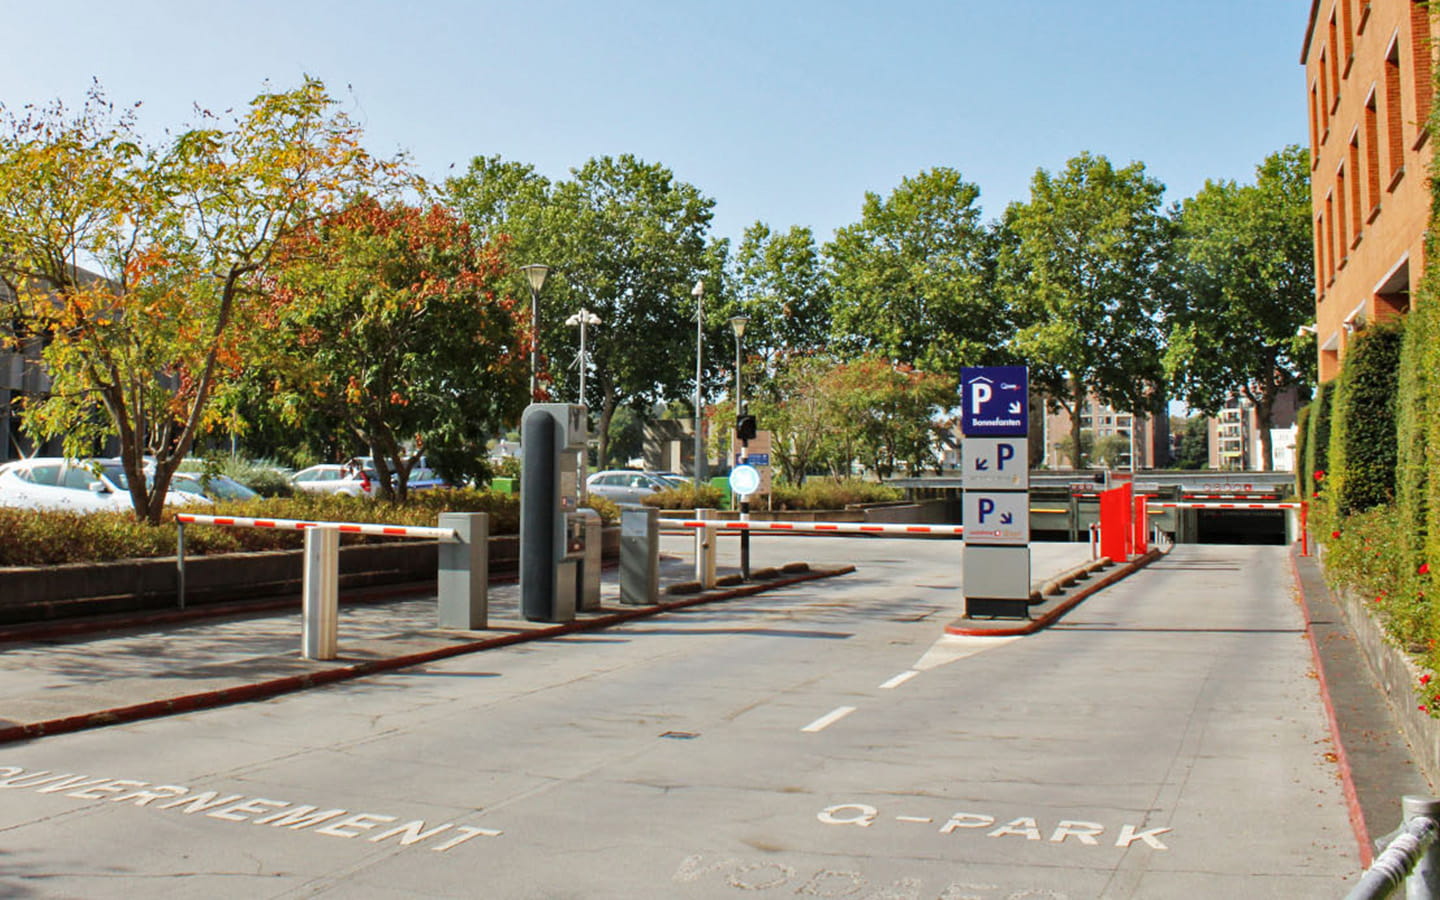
(401, 333)
(1193, 451)
(179, 236)
(913, 279)
(1246, 269)
(778, 281)
(891, 410)
(627, 241)
(1113, 451)
(1084, 266)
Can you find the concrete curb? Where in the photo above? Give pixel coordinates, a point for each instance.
(965, 627)
(288, 684)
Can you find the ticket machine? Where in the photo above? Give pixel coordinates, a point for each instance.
(552, 532)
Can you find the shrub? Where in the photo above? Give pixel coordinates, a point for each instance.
(833, 494)
(686, 497)
(1302, 440)
(1361, 461)
(1317, 442)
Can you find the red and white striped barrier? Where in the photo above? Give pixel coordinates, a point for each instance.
(826, 527)
(410, 531)
(1224, 505)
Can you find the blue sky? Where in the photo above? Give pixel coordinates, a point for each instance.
(785, 112)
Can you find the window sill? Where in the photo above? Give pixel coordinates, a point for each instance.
(1374, 214)
(1358, 238)
(1395, 180)
(1349, 61)
(1364, 18)
(1420, 139)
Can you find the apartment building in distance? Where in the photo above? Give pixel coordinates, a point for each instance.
(1369, 72)
(1101, 423)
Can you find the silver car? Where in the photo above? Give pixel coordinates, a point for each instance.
(625, 485)
(72, 485)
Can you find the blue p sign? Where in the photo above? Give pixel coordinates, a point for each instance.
(1003, 453)
(987, 506)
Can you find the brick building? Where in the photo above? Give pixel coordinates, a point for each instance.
(1369, 74)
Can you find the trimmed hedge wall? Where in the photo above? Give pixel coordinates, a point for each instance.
(1361, 464)
(1317, 442)
(1302, 450)
(1417, 483)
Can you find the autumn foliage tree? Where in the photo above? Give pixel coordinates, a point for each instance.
(401, 332)
(137, 266)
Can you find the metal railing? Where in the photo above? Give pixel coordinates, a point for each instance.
(1411, 858)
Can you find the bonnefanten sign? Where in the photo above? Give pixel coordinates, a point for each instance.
(994, 401)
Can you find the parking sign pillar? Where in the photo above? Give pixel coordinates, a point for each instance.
(995, 418)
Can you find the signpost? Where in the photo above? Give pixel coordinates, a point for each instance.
(995, 422)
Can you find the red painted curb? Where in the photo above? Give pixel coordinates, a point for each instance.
(291, 683)
(1069, 603)
(1342, 761)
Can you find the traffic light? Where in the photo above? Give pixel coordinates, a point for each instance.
(745, 428)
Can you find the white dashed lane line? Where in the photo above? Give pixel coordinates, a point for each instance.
(829, 719)
(899, 680)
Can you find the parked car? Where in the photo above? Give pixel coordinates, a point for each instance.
(335, 478)
(216, 487)
(625, 485)
(72, 485)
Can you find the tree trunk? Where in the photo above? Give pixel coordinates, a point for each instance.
(1263, 408)
(1077, 450)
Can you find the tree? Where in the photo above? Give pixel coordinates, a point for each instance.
(1193, 450)
(627, 241)
(889, 411)
(778, 281)
(1246, 271)
(401, 334)
(912, 280)
(1084, 268)
(180, 236)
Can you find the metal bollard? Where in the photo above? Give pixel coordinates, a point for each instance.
(320, 624)
(705, 540)
(180, 562)
(464, 577)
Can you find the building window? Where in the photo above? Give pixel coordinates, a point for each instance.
(1314, 127)
(1329, 237)
(1342, 221)
(1320, 256)
(1355, 208)
(1420, 51)
(1347, 24)
(1372, 155)
(1334, 66)
(1324, 95)
(1394, 120)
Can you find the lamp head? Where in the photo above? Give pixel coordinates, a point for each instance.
(537, 273)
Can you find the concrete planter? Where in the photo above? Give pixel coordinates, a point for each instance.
(79, 589)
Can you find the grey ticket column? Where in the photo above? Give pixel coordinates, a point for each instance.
(640, 556)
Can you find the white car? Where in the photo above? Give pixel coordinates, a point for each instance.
(72, 485)
(625, 486)
(334, 478)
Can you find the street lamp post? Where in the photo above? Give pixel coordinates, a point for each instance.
(536, 273)
(737, 324)
(584, 318)
(698, 292)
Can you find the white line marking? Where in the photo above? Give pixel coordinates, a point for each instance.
(899, 680)
(829, 718)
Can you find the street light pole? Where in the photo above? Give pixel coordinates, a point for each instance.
(583, 318)
(698, 292)
(536, 273)
(737, 324)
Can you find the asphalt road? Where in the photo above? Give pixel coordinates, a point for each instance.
(1166, 739)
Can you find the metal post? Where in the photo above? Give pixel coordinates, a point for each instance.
(321, 599)
(1424, 880)
(640, 556)
(464, 576)
(180, 562)
(1304, 527)
(705, 540)
(699, 294)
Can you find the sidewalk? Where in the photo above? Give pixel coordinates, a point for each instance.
(56, 678)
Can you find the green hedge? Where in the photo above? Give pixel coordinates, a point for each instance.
(1317, 442)
(1361, 464)
(1302, 445)
(1417, 486)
